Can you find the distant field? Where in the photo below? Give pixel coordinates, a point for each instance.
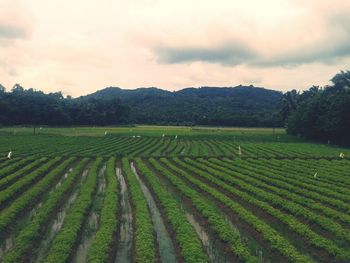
(193, 195)
(145, 130)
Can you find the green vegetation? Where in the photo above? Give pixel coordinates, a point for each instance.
(277, 199)
(64, 241)
(191, 247)
(144, 239)
(321, 114)
(239, 106)
(101, 246)
(32, 232)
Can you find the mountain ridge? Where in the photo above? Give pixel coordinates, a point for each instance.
(238, 105)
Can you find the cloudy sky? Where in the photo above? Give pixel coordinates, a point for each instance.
(79, 46)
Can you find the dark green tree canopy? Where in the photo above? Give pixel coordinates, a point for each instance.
(323, 114)
(227, 106)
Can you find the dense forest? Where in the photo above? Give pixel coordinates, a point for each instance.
(29, 107)
(237, 106)
(321, 114)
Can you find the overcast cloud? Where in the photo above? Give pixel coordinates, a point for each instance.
(81, 46)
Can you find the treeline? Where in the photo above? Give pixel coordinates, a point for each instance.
(237, 106)
(321, 114)
(29, 107)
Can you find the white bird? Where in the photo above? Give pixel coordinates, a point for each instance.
(133, 136)
(138, 136)
(341, 155)
(175, 137)
(163, 135)
(105, 132)
(239, 150)
(9, 155)
(315, 175)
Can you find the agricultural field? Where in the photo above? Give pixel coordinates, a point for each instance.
(171, 194)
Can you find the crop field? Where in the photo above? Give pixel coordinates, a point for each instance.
(171, 194)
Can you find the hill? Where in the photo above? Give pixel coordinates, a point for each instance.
(228, 106)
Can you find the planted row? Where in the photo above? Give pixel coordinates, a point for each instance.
(255, 179)
(302, 177)
(292, 185)
(144, 241)
(208, 210)
(30, 196)
(30, 178)
(13, 166)
(191, 247)
(295, 209)
(28, 236)
(268, 233)
(289, 220)
(99, 250)
(63, 243)
(14, 175)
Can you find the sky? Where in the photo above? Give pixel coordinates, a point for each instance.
(80, 46)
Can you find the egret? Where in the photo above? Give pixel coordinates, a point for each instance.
(175, 137)
(163, 135)
(9, 155)
(315, 175)
(105, 132)
(341, 155)
(239, 150)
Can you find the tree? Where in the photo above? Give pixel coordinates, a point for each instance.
(323, 114)
(341, 80)
(289, 103)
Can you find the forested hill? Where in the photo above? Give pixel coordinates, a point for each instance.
(237, 106)
(234, 106)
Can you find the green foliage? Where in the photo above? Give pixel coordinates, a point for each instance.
(32, 194)
(227, 106)
(33, 231)
(271, 235)
(191, 247)
(276, 201)
(238, 106)
(324, 116)
(208, 210)
(99, 250)
(26, 181)
(64, 241)
(12, 177)
(144, 239)
(30, 107)
(14, 166)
